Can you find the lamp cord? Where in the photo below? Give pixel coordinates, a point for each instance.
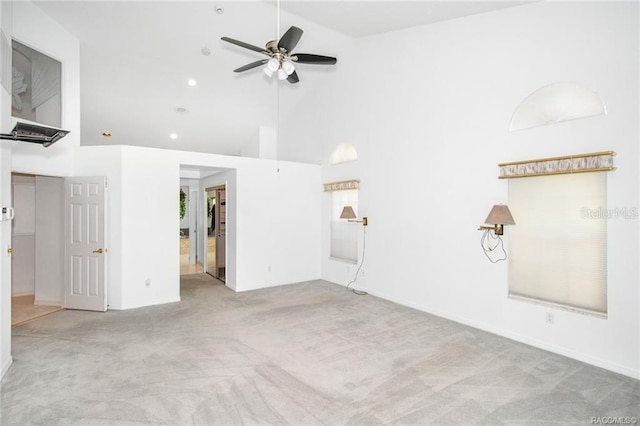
(364, 247)
(486, 248)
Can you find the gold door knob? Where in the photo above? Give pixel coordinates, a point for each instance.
(98, 251)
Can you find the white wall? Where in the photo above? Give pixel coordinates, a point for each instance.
(38, 237)
(306, 110)
(274, 217)
(23, 263)
(430, 126)
(107, 161)
(278, 212)
(35, 29)
(5, 200)
(149, 224)
(252, 147)
(262, 145)
(49, 241)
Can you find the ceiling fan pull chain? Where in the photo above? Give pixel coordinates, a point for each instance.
(277, 20)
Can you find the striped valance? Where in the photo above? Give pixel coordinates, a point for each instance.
(344, 185)
(592, 162)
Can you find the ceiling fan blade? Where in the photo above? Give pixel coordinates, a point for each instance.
(290, 39)
(243, 44)
(293, 78)
(306, 58)
(252, 65)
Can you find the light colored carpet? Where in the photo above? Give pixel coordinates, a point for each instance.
(23, 309)
(305, 354)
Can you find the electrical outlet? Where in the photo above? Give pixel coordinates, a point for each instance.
(549, 318)
(362, 273)
(269, 268)
(147, 282)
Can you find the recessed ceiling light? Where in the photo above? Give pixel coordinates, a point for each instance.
(173, 136)
(181, 110)
(219, 10)
(106, 134)
(191, 82)
(206, 51)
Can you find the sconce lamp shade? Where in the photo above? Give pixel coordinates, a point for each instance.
(500, 215)
(347, 213)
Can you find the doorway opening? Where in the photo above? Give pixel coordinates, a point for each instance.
(216, 231)
(37, 234)
(189, 262)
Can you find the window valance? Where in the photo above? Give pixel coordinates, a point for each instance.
(591, 162)
(344, 185)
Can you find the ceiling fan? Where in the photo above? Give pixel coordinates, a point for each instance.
(280, 60)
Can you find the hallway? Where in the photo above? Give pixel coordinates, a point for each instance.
(185, 267)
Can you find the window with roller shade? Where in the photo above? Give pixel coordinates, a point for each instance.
(558, 249)
(344, 235)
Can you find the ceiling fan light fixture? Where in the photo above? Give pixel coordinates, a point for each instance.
(280, 57)
(273, 65)
(288, 67)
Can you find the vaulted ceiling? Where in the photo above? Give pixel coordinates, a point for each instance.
(137, 57)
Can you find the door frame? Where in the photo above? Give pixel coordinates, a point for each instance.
(192, 201)
(48, 235)
(206, 245)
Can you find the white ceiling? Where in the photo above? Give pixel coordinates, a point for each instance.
(365, 18)
(136, 58)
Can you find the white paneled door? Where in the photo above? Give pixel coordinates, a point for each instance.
(85, 251)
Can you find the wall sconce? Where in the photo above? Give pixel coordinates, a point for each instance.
(498, 217)
(492, 245)
(350, 215)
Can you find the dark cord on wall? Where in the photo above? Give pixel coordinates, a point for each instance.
(485, 243)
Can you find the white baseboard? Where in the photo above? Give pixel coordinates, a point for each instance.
(273, 284)
(45, 302)
(154, 303)
(518, 338)
(5, 367)
(27, 293)
(570, 354)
